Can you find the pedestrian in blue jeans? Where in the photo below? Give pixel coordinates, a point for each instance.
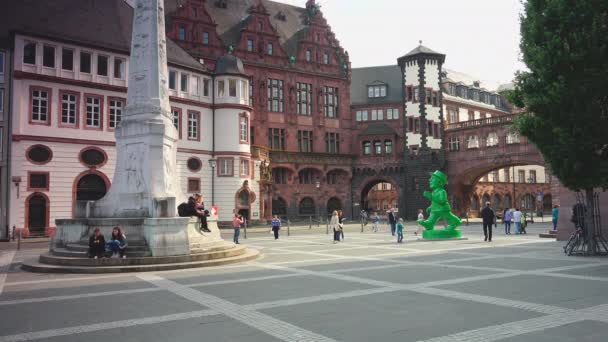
(392, 220)
(507, 220)
(400, 231)
(517, 218)
(236, 224)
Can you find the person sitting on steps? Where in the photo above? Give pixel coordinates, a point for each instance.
(195, 208)
(97, 245)
(118, 243)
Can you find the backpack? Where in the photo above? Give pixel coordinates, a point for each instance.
(183, 210)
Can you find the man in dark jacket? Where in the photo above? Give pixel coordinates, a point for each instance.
(392, 220)
(487, 214)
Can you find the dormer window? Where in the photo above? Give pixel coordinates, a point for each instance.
(374, 91)
(451, 89)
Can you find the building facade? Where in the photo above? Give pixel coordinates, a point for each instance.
(5, 76)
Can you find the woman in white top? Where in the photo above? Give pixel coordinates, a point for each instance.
(334, 223)
(420, 217)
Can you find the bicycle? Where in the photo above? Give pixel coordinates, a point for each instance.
(577, 240)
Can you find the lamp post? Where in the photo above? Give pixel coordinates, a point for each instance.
(318, 186)
(212, 164)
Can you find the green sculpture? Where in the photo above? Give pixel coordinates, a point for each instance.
(439, 209)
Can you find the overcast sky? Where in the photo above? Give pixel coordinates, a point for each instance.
(479, 37)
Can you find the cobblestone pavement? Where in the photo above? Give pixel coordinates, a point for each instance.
(305, 288)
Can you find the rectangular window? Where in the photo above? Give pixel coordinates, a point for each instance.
(454, 144)
(452, 116)
(67, 59)
(183, 82)
(93, 119)
(507, 175)
(244, 129)
(332, 142)
(172, 80)
(435, 99)
(370, 92)
(40, 105)
(232, 87)
(304, 141)
(206, 86)
(249, 45)
(29, 53)
(416, 94)
(325, 58)
(275, 95)
(521, 176)
(374, 115)
(410, 93)
(225, 167)
(388, 146)
(251, 135)
(48, 56)
(38, 181)
(205, 38)
(532, 176)
(270, 48)
(377, 147)
(116, 106)
(363, 115)
(417, 125)
(279, 175)
(428, 96)
(473, 141)
(389, 114)
(102, 65)
(358, 116)
(1, 102)
(308, 55)
(380, 114)
(194, 185)
(251, 100)
(193, 126)
(119, 68)
(69, 109)
(244, 168)
(330, 95)
(194, 85)
(85, 62)
(276, 138)
(177, 120)
(367, 148)
(304, 98)
(429, 128)
(2, 58)
(221, 88)
(182, 32)
(410, 124)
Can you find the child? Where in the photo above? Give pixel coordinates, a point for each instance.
(376, 221)
(420, 217)
(400, 231)
(276, 225)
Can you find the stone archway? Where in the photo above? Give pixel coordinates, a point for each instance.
(90, 185)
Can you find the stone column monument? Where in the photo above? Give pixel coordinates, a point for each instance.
(145, 180)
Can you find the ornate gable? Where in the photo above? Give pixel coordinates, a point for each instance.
(259, 40)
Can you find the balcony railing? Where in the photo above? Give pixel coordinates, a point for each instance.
(493, 121)
(311, 158)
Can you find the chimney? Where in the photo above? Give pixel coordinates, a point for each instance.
(476, 84)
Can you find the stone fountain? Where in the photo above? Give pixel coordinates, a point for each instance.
(145, 190)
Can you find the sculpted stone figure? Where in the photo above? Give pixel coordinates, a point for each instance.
(439, 209)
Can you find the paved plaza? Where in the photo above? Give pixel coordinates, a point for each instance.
(304, 288)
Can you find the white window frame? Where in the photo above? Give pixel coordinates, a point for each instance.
(183, 81)
(194, 82)
(364, 115)
(115, 110)
(95, 113)
(243, 129)
(121, 68)
(174, 73)
(71, 114)
(193, 123)
(39, 112)
(225, 167)
(244, 170)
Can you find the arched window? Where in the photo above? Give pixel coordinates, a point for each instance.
(307, 206)
(306, 176)
(474, 203)
(492, 139)
(243, 198)
(496, 201)
(508, 203)
(377, 147)
(279, 207)
(90, 187)
(367, 148)
(528, 202)
(333, 204)
(485, 199)
(279, 175)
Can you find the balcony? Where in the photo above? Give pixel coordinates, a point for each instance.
(493, 121)
(311, 158)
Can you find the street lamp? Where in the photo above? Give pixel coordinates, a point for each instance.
(212, 164)
(318, 186)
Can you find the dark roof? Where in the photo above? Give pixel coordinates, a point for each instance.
(418, 51)
(230, 21)
(421, 49)
(377, 129)
(362, 77)
(229, 64)
(101, 23)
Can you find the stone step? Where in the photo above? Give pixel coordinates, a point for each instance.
(35, 265)
(63, 252)
(87, 262)
(77, 247)
(551, 234)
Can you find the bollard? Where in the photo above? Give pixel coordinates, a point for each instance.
(288, 224)
(327, 227)
(309, 222)
(361, 225)
(19, 239)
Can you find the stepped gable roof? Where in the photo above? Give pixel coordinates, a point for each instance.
(378, 129)
(101, 23)
(387, 74)
(232, 19)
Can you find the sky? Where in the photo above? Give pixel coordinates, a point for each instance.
(478, 37)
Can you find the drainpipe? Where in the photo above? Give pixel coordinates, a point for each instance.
(213, 139)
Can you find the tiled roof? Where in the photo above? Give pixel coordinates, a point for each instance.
(362, 77)
(101, 23)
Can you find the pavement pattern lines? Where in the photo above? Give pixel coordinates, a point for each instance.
(553, 316)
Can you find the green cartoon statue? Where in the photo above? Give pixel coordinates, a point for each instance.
(439, 209)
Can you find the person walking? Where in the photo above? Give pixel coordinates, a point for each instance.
(507, 220)
(364, 217)
(276, 225)
(236, 224)
(97, 245)
(400, 231)
(487, 215)
(376, 222)
(517, 218)
(392, 220)
(420, 228)
(524, 223)
(554, 216)
(334, 223)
